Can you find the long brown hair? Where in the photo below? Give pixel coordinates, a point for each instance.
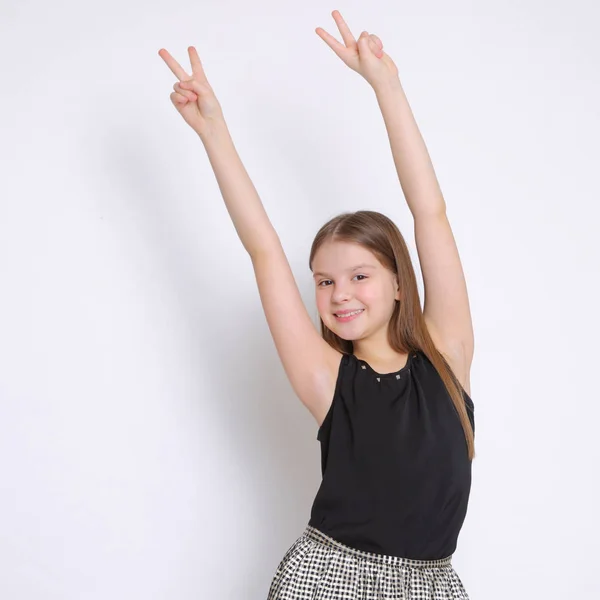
(407, 330)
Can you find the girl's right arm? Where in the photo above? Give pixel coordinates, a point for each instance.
(310, 364)
(245, 208)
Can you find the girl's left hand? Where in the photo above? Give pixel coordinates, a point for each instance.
(365, 56)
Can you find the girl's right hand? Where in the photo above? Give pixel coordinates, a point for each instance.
(193, 97)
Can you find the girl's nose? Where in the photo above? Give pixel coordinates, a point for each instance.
(340, 295)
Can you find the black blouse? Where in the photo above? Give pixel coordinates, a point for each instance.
(394, 460)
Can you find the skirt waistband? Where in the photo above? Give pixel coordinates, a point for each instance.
(318, 536)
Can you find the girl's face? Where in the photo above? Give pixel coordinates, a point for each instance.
(350, 277)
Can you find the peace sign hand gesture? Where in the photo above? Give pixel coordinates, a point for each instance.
(193, 96)
(365, 56)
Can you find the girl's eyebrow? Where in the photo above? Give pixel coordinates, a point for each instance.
(361, 266)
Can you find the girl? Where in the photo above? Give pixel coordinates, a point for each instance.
(387, 383)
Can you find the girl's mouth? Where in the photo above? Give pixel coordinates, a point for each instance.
(349, 316)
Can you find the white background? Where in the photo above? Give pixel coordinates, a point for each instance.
(151, 446)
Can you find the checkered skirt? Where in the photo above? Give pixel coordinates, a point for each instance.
(317, 567)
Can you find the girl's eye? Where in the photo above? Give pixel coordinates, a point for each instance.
(326, 280)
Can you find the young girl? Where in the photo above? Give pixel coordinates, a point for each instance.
(387, 383)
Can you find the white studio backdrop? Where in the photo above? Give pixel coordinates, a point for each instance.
(151, 446)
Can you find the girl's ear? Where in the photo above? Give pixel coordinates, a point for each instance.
(397, 285)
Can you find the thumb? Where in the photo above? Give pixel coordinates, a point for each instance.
(364, 44)
(192, 84)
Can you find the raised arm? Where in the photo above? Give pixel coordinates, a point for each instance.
(309, 362)
(195, 100)
(446, 306)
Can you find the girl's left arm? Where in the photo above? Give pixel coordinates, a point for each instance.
(446, 303)
(411, 158)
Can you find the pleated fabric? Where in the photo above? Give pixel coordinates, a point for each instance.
(317, 567)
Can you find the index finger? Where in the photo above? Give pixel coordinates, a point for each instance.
(336, 46)
(175, 67)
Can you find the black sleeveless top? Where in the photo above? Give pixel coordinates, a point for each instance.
(394, 460)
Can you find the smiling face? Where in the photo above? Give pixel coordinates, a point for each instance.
(347, 276)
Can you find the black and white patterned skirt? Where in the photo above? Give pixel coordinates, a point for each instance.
(317, 567)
